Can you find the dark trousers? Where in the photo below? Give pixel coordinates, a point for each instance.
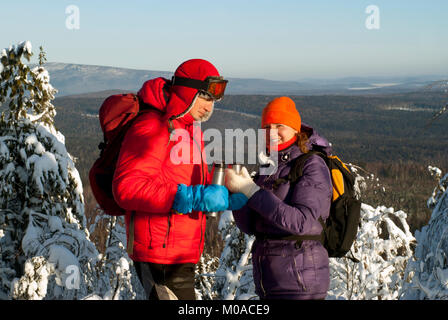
(179, 278)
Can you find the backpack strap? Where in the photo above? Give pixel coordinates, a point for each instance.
(297, 168)
(144, 106)
(294, 174)
(298, 238)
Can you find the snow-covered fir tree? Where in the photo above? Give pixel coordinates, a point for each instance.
(42, 212)
(383, 246)
(427, 272)
(233, 278)
(45, 248)
(117, 278)
(205, 276)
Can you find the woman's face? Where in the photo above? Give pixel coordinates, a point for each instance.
(281, 134)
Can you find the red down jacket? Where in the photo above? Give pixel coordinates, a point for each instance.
(146, 177)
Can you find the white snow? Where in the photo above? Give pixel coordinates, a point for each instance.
(427, 271)
(233, 278)
(374, 86)
(383, 248)
(61, 258)
(27, 47)
(55, 224)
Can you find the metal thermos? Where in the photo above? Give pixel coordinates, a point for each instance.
(237, 167)
(218, 178)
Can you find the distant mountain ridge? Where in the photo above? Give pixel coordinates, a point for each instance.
(72, 79)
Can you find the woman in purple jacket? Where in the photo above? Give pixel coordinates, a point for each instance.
(287, 269)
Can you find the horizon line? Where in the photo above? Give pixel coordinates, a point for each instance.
(436, 76)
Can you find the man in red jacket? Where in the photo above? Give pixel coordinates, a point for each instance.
(165, 200)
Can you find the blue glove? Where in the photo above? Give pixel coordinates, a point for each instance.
(237, 201)
(208, 198)
(183, 202)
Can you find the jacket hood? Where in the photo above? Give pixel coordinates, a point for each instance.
(155, 93)
(176, 101)
(316, 141)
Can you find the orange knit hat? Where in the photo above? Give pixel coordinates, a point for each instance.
(281, 110)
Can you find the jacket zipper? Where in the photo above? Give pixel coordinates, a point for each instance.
(130, 244)
(202, 160)
(202, 182)
(165, 241)
(200, 241)
(149, 229)
(299, 278)
(261, 276)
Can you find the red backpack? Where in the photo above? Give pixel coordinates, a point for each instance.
(116, 116)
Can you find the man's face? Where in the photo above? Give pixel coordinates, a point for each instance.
(201, 109)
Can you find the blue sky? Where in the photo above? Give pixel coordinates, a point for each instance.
(282, 40)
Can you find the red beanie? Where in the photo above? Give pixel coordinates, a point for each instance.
(282, 111)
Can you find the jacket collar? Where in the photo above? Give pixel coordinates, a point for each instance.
(288, 154)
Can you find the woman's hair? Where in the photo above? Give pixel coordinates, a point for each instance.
(302, 142)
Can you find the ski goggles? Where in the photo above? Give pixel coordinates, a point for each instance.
(214, 86)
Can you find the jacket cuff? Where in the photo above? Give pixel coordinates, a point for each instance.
(252, 191)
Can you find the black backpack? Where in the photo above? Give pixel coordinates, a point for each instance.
(339, 231)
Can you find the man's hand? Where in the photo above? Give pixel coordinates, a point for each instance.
(210, 198)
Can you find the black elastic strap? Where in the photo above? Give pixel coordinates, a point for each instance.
(191, 83)
(317, 237)
(299, 238)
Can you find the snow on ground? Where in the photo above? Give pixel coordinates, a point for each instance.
(427, 271)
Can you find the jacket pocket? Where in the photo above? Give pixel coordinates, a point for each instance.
(280, 275)
(149, 233)
(261, 277)
(130, 244)
(315, 260)
(298, 274)
(168, 229)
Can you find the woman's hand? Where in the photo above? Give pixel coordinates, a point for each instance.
(242, 182)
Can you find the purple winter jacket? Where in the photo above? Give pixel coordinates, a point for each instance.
(280, 269)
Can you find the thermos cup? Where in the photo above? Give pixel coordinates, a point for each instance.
(218, 178)
(237, 167)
